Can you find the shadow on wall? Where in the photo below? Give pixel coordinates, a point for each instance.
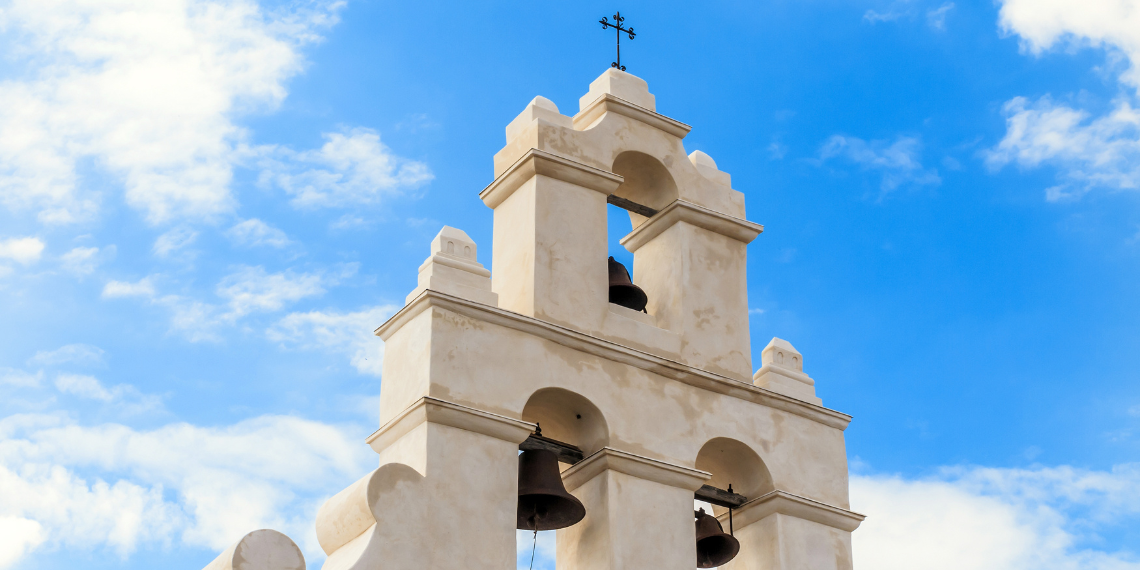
(732, 462)
(569, 418)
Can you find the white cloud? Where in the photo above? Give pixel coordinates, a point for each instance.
(937, 17)
(195, 320)
(84, 260)
(83, 354)
(899, 162)
(20, 535)
(244, 291)
(149, 90)
(352, 168)
(173, 240)
(200, 486)
(777, 150)
(1089, 151)
(1043, 24)
(22, 250)
(19, 378)
(141, 288)
(251, 289)
(874, 17)
(996, 519)
(346, 333)
(254, 232)
(83, 386)
(1101, 152)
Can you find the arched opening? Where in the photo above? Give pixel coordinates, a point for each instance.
(569, 418)
(647, 182)
(647, 186)
(732, 462)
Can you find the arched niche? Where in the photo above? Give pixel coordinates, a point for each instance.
(647, 182)
(733, 462)
(569, 418)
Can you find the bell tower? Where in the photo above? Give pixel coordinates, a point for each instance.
(642, 412)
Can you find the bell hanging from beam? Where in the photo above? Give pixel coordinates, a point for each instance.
(544, 502)
(714, 546)
(622, 290)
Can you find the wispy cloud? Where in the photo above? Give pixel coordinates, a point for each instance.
(873, 17)
(84, 260)
(345, 333)
(898, 162)
(936, 18)
(21, 379)
(254, 232)
(352, 168)
(173, 240)
(118, 289)
(128, 398)
(250, 289)
(81, 354)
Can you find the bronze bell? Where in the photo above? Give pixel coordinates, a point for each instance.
(714, 546)
(544, 503)
(622, 290)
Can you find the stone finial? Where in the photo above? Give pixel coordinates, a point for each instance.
(539, 108)
(780, 353)
(260, 550)
(453, 268)
(782, 371)
(707, 167)
(621, 85)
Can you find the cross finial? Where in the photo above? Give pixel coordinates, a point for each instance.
(616, 25)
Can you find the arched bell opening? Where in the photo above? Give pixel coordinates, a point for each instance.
(647, 188)
(569, 418)
(734, 463)
(647, 183)
(738, 476)
(565, 419)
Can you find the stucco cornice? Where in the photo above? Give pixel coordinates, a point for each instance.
(428, 409)
(784, 503)
(682, 211)
(539, 162)
(610, 350)
(608, 103)
(608, 458)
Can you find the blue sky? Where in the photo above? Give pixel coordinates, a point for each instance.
(205, 207)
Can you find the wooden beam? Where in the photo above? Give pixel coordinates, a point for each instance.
(719, 497)
(566, 453)
(631, 206)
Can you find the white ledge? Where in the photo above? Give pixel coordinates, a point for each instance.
(609, 103)
(610, 350)
(781, 502)
(608, 458)
(539, 162)
(700, 216)
(428, 409)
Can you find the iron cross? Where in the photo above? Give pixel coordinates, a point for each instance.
(617, 28)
